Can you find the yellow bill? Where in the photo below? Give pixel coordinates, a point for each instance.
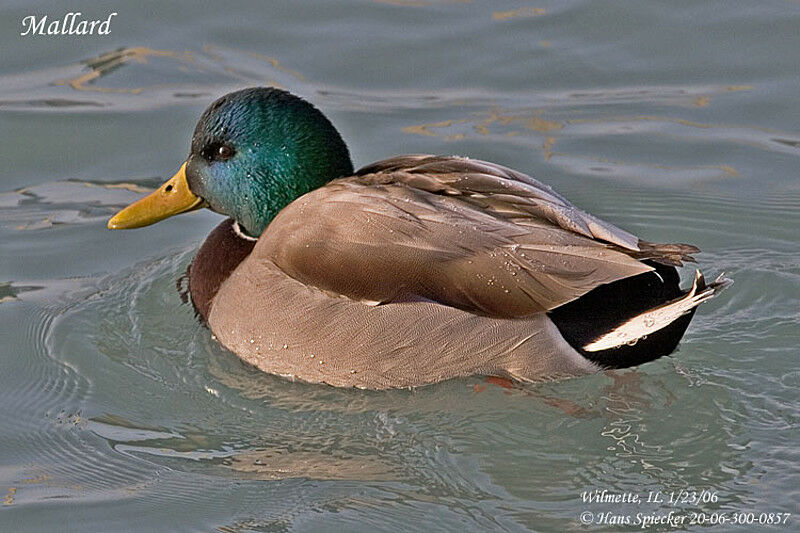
(170, 199)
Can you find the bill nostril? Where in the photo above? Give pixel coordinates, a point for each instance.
(168, 188)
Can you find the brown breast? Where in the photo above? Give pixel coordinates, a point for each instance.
(220, 254)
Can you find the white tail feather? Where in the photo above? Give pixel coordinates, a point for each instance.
(659, 317)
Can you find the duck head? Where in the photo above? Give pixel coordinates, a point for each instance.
(253, 152)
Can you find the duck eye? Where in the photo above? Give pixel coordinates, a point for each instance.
(224, 152)
(217, 152)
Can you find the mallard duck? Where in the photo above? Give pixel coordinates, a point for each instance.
(411, 270)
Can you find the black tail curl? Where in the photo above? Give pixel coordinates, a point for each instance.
(607, 306)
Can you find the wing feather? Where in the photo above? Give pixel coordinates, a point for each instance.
(461, 232)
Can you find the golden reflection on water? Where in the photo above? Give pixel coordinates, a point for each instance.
(519, 12)
(9, 498)
(425, 129)
(180, 77)
(276, 64)
(702, 101)
(38, 481)
(108, 62)
(322, 465)
(549, 130)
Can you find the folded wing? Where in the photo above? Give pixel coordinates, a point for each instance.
(460, 232)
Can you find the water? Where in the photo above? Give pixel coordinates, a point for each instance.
(677, 121)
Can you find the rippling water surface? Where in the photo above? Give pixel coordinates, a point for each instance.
(678, 121)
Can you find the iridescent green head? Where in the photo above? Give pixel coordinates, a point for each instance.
(253, 152)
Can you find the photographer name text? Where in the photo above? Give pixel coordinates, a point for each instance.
(669, 508)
